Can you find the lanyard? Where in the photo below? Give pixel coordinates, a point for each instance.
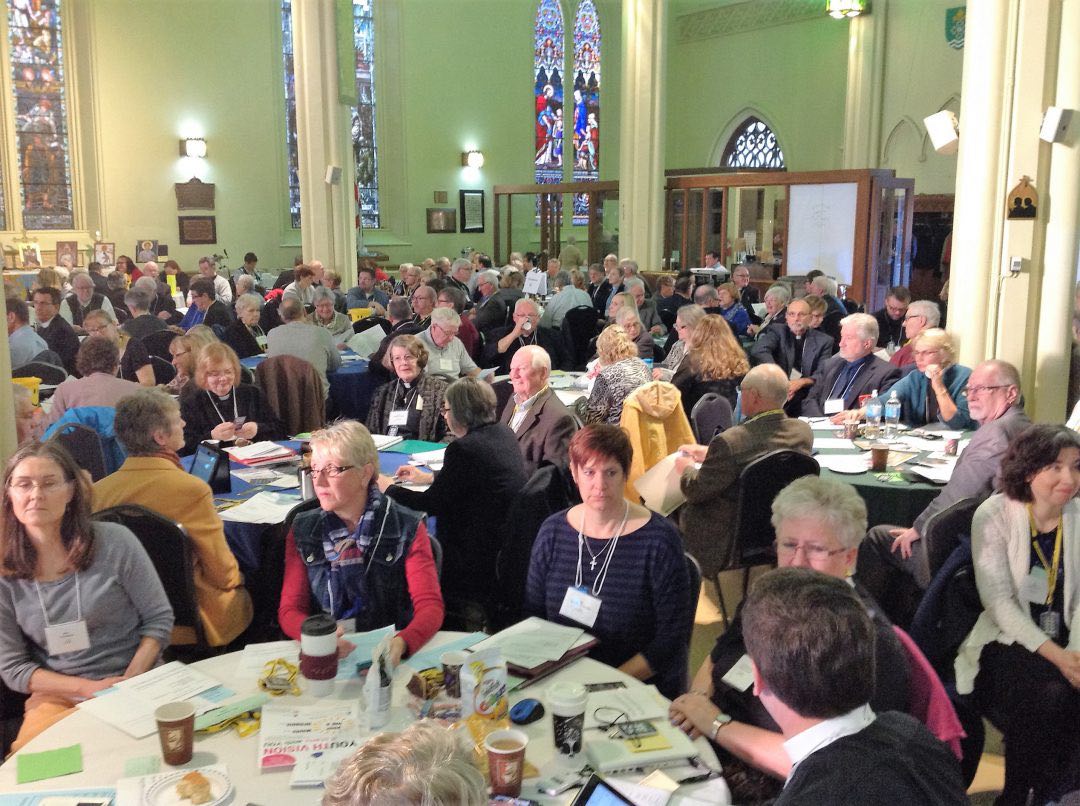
(78, 601)
(1054, 565)
(851, 380)
(598, 581)
(762, 414)
(236, 415)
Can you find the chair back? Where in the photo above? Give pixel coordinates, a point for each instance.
(710, 415)
(170, 551)
(693, 570)
(759, 483)
(503, 394)
(164, 371)
(948, 610)
(436, 553)
(943, 530)
(99, 419)
(928, 701)
(49, 373)
(578, 328)
(294, 391)
(49, 357)
(157, 344)
(84, 444)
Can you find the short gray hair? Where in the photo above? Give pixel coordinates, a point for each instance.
(460, 263)
(147, 284)
(927, 309)
(139, 416)
(526, 301)
(399, 309)
(834, 504)
(349, 441)
(706, 292)
(249, 301)
(538, 356)
(769, 381)
(1005, 372)
(633, 282)
(291, 309)
(321, 293)
(779, 292)
(865, 325)
(472, 402)
(137, 299)
(826, 284)
(489, 276)
(445, 316)
(562, 279)
(244, 283)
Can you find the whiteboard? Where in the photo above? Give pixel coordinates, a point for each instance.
(821, 229)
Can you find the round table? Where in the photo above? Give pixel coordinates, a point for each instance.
(106, 748)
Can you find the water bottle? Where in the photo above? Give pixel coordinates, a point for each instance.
(892, 416)
(873, 416)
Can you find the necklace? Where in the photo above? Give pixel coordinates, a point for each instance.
(598, 581)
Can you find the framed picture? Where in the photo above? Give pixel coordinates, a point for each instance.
(145, 250)
(472, 210)
(67, 254)
(105, 253)
(29, 256)
(441, 219)
(197, 229)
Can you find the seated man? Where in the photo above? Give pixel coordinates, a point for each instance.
(674, 293)
(708, 298)
(452, 297)
(503, 342)
(797, 349)
(852, 372)
(566, 297)
(894, 562)
(646, 308)
(295, 336)
(489, 311)
(712, 491)
(890, 319)
(24, 344)
(400, 320)
(447, 356)
(542, 424)
(748, 295)
(423, 303)
(811, 649)
(58, 334)
(83, 299)
(205, 309)
(208, 271)
(923, 314)
(365, 295)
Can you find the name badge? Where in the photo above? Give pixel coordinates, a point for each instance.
(399, 417)
(261, 341)
(1036, 586)
(446, 364)
(419, 403)
(580, 606)
(70, 637)
(740, 676)
(794, 375)
(834, 405)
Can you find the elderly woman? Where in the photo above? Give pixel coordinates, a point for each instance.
(686, 320)
(134, 357)
(776, 299)
(361, 555)
(185, 353)
(627, 318)
(818, 308)
(98, 362)
(732, 309)
(410, 406)
(302, 287)
(224, 408)
(819, 524)
(339, 325)
(57, 567)
(149, 426)
(614, 568)
(620, 372)
(244, 334)
(715, 362)
(468, 510)
(1022, 659)
(82, 300)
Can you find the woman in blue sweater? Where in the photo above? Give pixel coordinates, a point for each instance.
(934, 392)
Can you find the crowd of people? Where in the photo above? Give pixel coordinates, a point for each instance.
(810, 690)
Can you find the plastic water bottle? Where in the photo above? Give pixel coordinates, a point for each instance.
(873, 416)
(892, 416)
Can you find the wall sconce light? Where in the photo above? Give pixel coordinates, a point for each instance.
(192, 147)
(844, 9)
(472, 159)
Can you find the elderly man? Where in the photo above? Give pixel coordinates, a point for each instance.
(825, 287)
(854, 371)
(748, 295)
(490, 310)
(162, 305)
(570, 257)
(553, 268)
(452, 297)
(142, 323)
(447, 356)
(921, 315)
(890, 319)
(646, 308)
(205, 309)
(57, 333)
(423, 303)
(797, 349)
(612, 285)
(712, 491)
(566, 297)
(24, 344)
(460, 274)
(542, 424)
(83, 299)
(682, 292)
(297, 337)
(776, 300)
(895, 564)
(208, 270)
(365, 295)
(525, 329)
(708, 298)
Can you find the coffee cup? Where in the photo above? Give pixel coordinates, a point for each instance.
(506, 760)
(318, 654)
(879, 458)
(851, 430)
(176, 731)
(566, 701)
(451, 668)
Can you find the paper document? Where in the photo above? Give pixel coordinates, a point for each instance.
(637, 703)
(382, 441)
(937, 473)
(365, 647)
(265, 507)
(427, 457)
(259, 451)
(640, 794)
(831, 443)
(366, 342)
(254, 658)
(426, 658)
(660, 486)
(533, 642)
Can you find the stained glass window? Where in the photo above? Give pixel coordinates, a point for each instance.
(292, 161)
(753, 145)
(586, 104)
(548, 93)
(41, 129)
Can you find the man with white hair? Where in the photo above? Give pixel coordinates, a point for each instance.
(162, 304)
(542, 424)
(461, 272)
(921, 315)
(854, 371)
(142, 323)
(83, 299)
(708, 298)
(447, 356)
(208, 270)
(297, 337)
(646, 308)
(490, 310)
(825, 287)
(503, 342)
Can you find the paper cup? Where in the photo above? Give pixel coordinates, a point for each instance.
(176, 731)
(566, 701)
(879, 458)
(506, 760)
(451, 667)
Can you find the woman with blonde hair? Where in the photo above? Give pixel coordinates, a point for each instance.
(185, 353)
(134, 358)
(715, 362)
(686, 321)
(620, 373)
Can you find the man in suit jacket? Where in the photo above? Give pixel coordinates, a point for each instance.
(797, 349)
(57, 333)
(708, 518)
(895, 564)
(542, 424)
(852, 372)
(490, 310)
(748, 295)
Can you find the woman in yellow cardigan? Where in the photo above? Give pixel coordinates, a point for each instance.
(149, 425)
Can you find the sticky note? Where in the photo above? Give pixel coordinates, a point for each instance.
(48, 764)
(142, 765)
(647, 744)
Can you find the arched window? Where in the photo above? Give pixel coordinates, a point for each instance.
(548, 93)
(586, 103)
(753, 145)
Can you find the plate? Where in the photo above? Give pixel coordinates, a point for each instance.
(163, 791)
(851, 464)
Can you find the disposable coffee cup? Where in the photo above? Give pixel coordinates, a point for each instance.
(879, 458)
(176, 731)
(451, 669)
(506, 760)
(566, 701)
(851, 430)
(318, 654)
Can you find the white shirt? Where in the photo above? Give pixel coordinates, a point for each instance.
(826, 732)
(521, 409)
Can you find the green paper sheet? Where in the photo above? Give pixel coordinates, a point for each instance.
(415, 446)
(48, 764)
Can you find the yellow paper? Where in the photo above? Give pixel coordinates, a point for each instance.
(647, 744)
(356, 314)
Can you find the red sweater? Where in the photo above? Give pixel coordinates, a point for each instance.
(420, 576)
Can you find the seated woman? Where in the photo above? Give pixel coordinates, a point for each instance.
(325, 315)
(361, 555)
(732, 309)
(621, 563)
(183, 281)
(134, 357)
(619, 372)
(686, 320)
(185, 352)
(225, 409)
(244, 334)
(819, 524)
(59, 567)
(482, 473)
(98, 361)
(1022, 659)
(148, 425)
(715, 362)
(410, 406)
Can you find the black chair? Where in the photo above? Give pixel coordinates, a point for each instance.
(164, 371)
(247, 376)
(157, 344)
(170, 551)
(360, 325)
(287, 276)
(693, 570)
(48, 373)
(436, 553)
(578, 328)
(943, 530)
(504, 393)
(84, 444)
(49, 357)
(710, 415)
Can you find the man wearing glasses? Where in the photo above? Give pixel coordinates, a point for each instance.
(921, 315)
(447, 356)
(894, 562)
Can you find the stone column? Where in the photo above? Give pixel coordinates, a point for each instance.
(641, 151)
(865, 76)
(7, 401)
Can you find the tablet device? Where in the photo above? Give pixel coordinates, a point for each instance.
(212, 466)
(598, 792)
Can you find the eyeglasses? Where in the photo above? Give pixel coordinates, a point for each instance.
(927, 352)
(978, 390)
(220, 373)
(96, 331)
(914, 316)
(331, 471)
(177, 355)
(23, 486)
(812, 552)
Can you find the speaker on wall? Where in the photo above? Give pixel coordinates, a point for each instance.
(944, 131)
(1055, 124)
(333, 174)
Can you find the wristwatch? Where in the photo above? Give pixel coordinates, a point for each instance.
(721, 720)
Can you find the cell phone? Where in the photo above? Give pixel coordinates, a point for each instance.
(239, 421)
(592, 687)
(636, 730)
